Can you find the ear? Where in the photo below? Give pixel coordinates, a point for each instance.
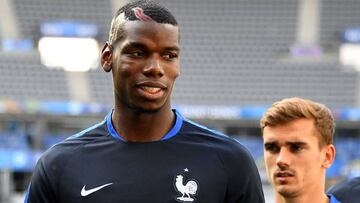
(106, 57)
(329, 156)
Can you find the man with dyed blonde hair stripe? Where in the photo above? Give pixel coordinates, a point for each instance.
(145, 150)
(298, 148)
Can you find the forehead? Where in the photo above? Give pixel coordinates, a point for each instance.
(300, 130)
(162, 34)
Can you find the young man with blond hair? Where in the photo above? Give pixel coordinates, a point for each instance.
(298, 148)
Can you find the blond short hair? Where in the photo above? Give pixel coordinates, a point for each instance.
(290, 109)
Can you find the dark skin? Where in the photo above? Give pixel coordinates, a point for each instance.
(145, 64)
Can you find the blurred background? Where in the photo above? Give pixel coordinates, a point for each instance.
(237, 58)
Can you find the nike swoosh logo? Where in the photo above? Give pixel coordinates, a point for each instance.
(85, 192)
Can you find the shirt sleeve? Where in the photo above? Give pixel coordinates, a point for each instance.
(42, 185)
(244, 183)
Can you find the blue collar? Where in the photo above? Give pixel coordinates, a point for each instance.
(173, 131)
(333, 199)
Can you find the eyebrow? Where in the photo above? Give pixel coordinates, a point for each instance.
(143, 46)
(135, 45)
(270, 143)
(286, 143)
(297, 143)
(173, 48)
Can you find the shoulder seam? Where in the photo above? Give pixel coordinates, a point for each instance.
(205, 128)
(81, 133)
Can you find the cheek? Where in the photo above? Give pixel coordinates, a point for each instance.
(309, 166)
(269, 160)
(270, 166)
(176, 75)
(313, 158)
(317, 162)
(125, 71)
(173, 73)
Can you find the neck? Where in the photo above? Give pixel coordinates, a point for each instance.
(135, 126)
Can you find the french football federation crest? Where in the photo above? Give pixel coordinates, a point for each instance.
(187, 189)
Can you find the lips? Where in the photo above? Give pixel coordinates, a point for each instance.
(283, 177)
(283, 174)
(151, 90)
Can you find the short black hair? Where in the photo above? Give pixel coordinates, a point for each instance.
(158, 13)
(152, 9)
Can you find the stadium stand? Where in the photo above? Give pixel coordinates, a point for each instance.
(336, 16)
(22, 77)
(347, 157)
(229, 45)
(11, 141)
(98, 12)
(100, 86)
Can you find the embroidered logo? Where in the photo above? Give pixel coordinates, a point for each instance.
(85, 192)
(187, 189)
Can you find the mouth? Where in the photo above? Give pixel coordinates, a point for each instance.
(151, 90)
(283, 176)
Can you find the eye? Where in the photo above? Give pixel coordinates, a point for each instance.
(272, 148)
(137, 53)
(134, 53)
(170, 55)
(295, 148)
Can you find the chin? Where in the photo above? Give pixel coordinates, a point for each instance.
(144, 106)
(286, 191)
(150, 109)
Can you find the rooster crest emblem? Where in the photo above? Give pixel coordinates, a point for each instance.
(186, 190)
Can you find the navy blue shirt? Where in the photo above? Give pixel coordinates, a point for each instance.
(191, 163)
(347, 191)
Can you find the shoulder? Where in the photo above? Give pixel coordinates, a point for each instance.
(227, 147)
(58, 154)
(346, 190)
(244, 183)
(52, 164)
(333, 199)
(346, 186)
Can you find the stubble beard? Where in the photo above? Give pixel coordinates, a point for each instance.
(287, 191)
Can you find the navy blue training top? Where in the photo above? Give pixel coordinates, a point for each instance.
(191, 163)
(347, 191)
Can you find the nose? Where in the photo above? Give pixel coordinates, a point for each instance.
(154, 67)
(283, 159)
